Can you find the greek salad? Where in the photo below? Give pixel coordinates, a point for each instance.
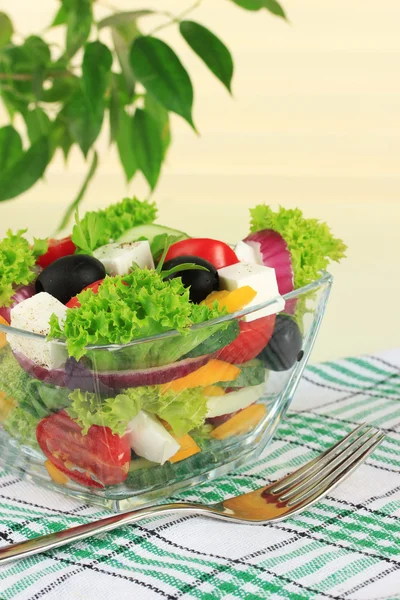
(137, 357)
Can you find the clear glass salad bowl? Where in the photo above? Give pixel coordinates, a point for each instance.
(244, 407)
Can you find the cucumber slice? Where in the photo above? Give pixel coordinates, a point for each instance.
(149, 232)
(252, 373)
(224, 335)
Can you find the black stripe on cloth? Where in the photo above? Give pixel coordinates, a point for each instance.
(384, 362)
(367, 582)
(54, 584)
(8, 483)
(367, 462)
(50, 554)
(330, 418)
(53, 510)
(363, 392)
(231, 562)
(307, 534)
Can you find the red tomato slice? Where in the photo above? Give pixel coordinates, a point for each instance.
(96, 459)
(56, 249)
(253, 337)
(74, 302)
(217, 253)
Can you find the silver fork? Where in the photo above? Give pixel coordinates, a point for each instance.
(273, 502)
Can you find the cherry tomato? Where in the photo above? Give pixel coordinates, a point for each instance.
(96, 459)
(56, 249)
(217, 253)
(253, 337)
(74, 302)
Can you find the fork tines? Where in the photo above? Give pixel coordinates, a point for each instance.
(327, 470)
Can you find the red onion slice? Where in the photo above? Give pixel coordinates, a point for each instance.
(52, 377)
(75, 375)
(78, 377)
(274, 252)
(21, 293)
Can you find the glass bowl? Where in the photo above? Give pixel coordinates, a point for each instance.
(244, 402)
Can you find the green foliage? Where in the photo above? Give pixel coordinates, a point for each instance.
(210, 49)
(115, 71)
(272, 5)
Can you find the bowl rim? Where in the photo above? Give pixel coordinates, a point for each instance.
(325, 278)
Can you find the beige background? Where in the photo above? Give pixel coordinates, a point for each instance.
(315, 123)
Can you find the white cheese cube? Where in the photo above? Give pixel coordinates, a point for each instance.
(263, 281)
(234, 401)
(34, 315)
(247, 253)
(119, 257)
(148, 438)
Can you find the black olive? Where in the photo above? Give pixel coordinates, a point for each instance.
(284, 347)
(201, 283)
(68, 275)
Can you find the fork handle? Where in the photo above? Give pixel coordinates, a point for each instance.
(73, 534)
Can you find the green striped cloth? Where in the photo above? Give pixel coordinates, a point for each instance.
(346, 547)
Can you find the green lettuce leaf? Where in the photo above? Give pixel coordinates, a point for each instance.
(310, 242)
(130, 307)
(17, 259)
(31, 395)
(98, 228)
(14, 381)
(89, 409)
(21, 425)
(183, 411)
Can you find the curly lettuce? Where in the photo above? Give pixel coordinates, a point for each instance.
(17, 259)
(183, 412)
(21, 425)
(130, 307)
(98, 228)
(311, 243)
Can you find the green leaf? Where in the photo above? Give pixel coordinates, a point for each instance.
(125, 144)
(24, 172)
(37, 50)
(160, 71)
(79, 23)
(38, 124)
(147, 146)
(96, 68)
(10, 146)
(83, 123)
(272, 5)
(61, 17)
(61, 89)
(161, 117)
(210, 49)
(114, 111)
(123, 17)
(122, 38)
(61, 137)
(121, 85)
(75, 203)
(6, 29)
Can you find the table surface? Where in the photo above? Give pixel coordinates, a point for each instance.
(346, 547)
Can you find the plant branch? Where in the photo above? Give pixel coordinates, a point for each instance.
(74, 205)
(30, 76)
(175, 18)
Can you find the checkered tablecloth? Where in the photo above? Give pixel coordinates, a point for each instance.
(345, 547)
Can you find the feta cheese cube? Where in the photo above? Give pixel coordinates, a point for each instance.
(118, 257)
(248, 253)
(148, 438)
(34, 315)
(262, 279)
